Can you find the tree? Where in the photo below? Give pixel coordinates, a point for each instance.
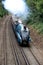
(36, 7)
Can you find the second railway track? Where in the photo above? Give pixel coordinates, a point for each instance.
(4, 46)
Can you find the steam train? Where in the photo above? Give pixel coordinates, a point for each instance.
(22, 33)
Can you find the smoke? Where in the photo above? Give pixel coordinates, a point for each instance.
(17, 7)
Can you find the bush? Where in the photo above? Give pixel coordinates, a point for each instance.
(2, 10)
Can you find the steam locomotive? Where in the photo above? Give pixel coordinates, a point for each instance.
(22, 33)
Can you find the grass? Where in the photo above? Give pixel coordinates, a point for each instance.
(38, 26)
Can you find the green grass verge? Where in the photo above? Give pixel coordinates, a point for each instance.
(38, 26)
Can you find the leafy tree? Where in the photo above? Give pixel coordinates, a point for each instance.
(36, 7)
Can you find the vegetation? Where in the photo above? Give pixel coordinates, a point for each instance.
(2, 10)
(36, 16)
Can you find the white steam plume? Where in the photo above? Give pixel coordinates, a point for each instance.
(16, 7)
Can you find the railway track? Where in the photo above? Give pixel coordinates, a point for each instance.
(30, 56)
(19, 59)
(10, 47)
(21, 54)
